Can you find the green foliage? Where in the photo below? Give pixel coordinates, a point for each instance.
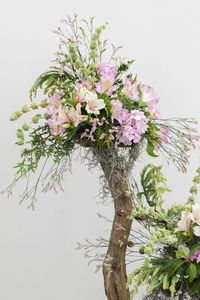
(194, 248)
(154, 185)
(150, 149)
(125, 66)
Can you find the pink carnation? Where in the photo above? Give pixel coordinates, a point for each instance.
(132, 128)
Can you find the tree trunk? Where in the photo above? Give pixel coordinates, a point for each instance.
(115, 277)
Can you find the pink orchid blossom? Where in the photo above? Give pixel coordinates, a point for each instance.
(75, 115)
(149, 95)
(118, 113)
(131, 89)
(184, 223)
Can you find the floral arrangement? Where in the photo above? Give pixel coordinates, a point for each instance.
(172, 253)
(92, 101)
(89, 100)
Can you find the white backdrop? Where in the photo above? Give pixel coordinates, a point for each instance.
(37, 256)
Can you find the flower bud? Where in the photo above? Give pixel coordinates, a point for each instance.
(78, 64)
(34, 105)
(93, 45)
(18, 113)
(98, 30)
(191, 200)
(20, 142)
(71, 48)
(74, 57)
(43, 103)
(93, 66)
(46, 116)
(67, 126)
(93, 54)
(13, 117)
(35, 119)
(92, 80)
(25, 127)
(24, 109)
(20, 133)
(194, 190)
(95, 37)
(197, 179)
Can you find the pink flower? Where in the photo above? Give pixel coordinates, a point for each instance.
(195, 256)
(131, 89)
(108, 73)
(132, 128)
(56, 122)
(163, 134)
(184, 223)
(102, 136)
(106, 85)
(107, 69)
(75, 115)
(149, 95)
(196, 213)
(196, 230)
(94, 105)
(118, 113)
(155, 114)
(55, 102)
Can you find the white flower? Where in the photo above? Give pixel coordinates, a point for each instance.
(195, 216)
(184, 223)
(75, 115)
(197, 230)
(186, 250)
(82, 93)
(93, 103)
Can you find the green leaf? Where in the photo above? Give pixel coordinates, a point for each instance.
(196, 286)
(156, 271)
(165, 282)
(174, 267)
(169, 263)
(180, 253)
(150, 149)
(192, 272)
(194, 249)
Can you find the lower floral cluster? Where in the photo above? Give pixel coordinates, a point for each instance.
(172, 254)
